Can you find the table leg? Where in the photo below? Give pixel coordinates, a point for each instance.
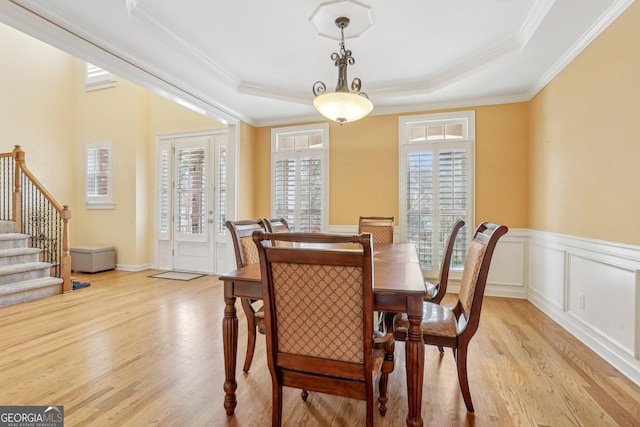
(230, 343)
(414, 348)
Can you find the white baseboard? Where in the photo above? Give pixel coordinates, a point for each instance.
(126, 267)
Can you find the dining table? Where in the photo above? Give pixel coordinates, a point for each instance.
(398, 288)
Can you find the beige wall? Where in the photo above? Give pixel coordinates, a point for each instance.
(120, 114)
(584, 150)
(364, 167)
(37, 108)
(132, 117)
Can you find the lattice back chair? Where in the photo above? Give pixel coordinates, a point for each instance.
(318, 315)
(380, 227)
(246, 254)
(454, 327)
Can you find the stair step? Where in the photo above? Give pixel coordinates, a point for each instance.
(13, 240)
(29, 290)
(19, 255)
(7, 227)
(21, 272)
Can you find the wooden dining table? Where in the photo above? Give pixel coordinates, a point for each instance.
(398, 287)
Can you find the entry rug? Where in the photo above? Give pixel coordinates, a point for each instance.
(79, 285)
(177, 275)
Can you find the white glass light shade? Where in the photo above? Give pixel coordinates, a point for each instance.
(342, 107)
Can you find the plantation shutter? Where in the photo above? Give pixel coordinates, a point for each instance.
(454, 198)
(98, 78)
(190, 191)
(222, 189)
(98, 184)
(164, 180)
(420, 205)
(285, 190)
(310, 195)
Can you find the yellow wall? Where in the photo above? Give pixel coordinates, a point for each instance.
(584, 150)
(364, 167)
(37, 108)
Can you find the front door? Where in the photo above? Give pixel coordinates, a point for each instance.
(191, 200)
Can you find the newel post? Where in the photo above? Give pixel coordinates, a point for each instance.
(65, 262)
(18, 156)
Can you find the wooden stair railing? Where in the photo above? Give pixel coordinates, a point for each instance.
(24, 200)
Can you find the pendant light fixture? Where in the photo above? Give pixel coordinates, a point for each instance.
(342, 106)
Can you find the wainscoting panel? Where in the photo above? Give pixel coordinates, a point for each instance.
(602, 296)
(508, 266)
(591, 288)
(547, 282)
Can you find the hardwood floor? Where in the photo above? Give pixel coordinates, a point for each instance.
(131, 350)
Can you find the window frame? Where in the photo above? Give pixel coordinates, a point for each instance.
(434, 145)
(100, 201)
(321, 152)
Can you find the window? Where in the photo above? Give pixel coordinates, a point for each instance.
(97, 78)
(299, 176)
(436, 179)
(99, 179)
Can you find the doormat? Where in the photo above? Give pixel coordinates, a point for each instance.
(79, 285)
(177, 275)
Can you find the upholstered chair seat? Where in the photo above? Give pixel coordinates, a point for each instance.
(436, 320)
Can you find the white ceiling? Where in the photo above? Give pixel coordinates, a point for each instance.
(256, 60)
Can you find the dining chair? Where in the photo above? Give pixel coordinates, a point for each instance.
(380, 227)
(437, 291)
(454, 327)
(276, 225)
(318, 316)
(246, 253)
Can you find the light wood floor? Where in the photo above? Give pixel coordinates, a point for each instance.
(133, 351)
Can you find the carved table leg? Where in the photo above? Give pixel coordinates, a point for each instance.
(230, 343)
(387, 368)
(415, 366)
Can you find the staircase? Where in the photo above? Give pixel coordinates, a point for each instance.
(22, 276)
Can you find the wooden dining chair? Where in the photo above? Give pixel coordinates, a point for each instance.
(437, 291)
(380, 227)
(454, 327)
(246, 253)
(276, 225)
(318, 316)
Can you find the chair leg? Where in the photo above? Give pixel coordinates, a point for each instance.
(369, 417)
(276, 409)
(461, 362)
(387, 368)
(251, 332)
